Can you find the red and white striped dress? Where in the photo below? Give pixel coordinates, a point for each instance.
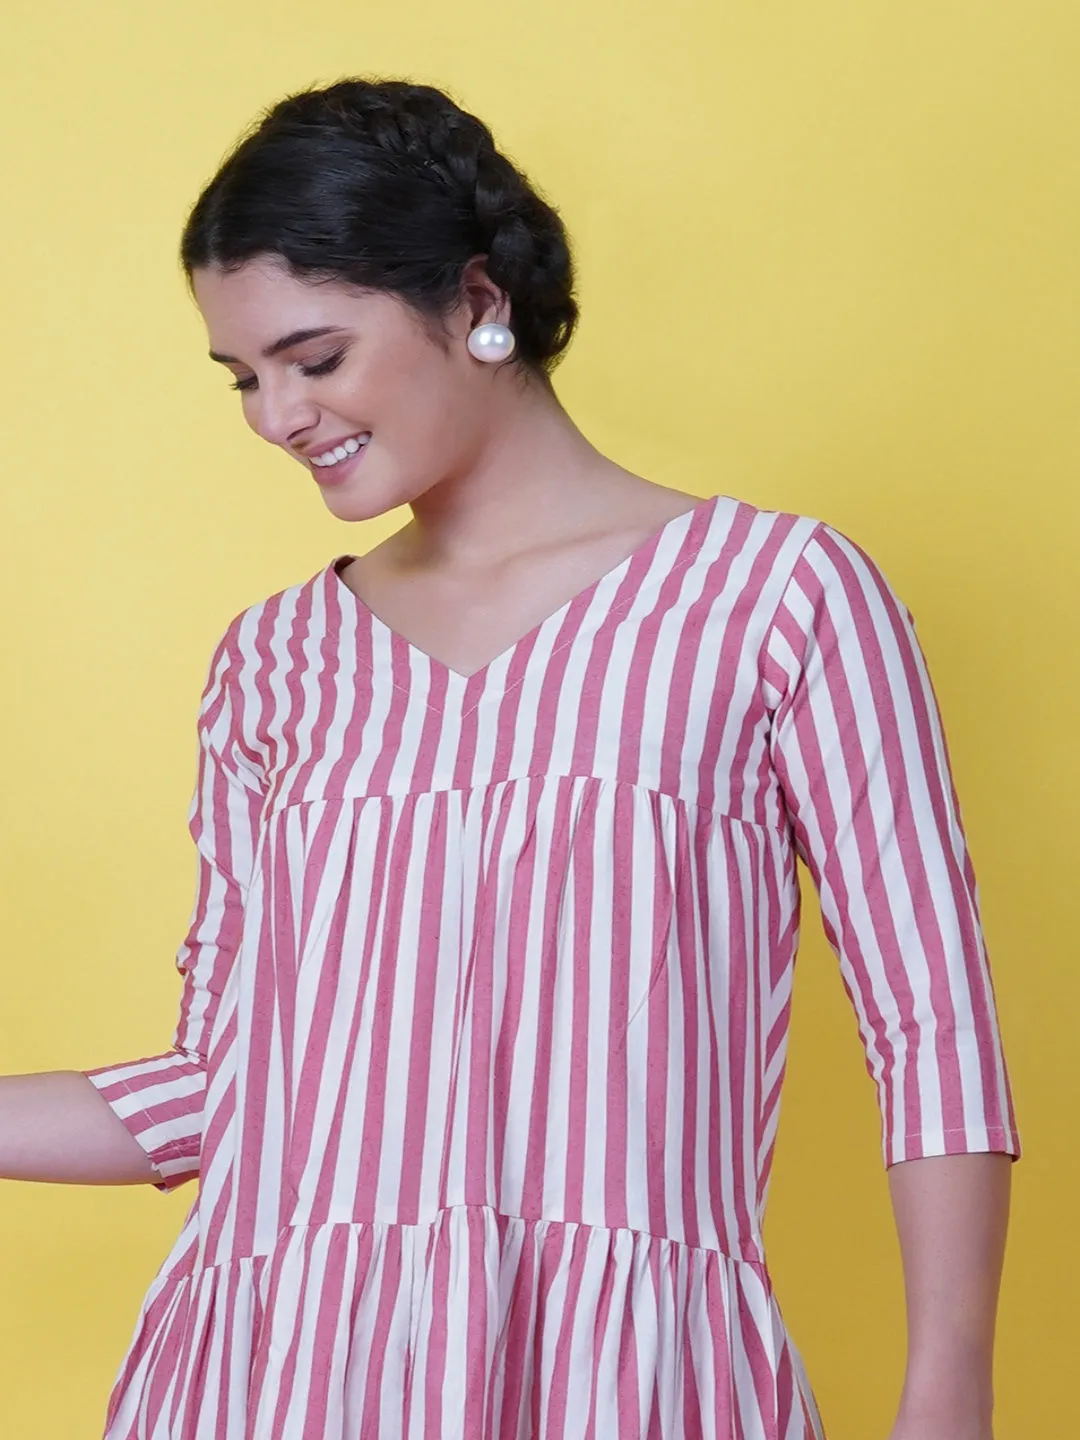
(487, 990)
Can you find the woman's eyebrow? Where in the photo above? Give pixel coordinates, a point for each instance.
(295, 337)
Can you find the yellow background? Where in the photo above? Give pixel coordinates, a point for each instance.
(829, 262)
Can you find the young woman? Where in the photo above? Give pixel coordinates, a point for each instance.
(486, 990)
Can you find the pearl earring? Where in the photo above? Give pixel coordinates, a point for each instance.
(491, 343)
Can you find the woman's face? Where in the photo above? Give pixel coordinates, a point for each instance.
(410, 408)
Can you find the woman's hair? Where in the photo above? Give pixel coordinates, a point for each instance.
(390, 187)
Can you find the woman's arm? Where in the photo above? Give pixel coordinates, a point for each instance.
(951, 1216)
(860, 751)
(54, 1126)
(140, 1121)
(159, 1099)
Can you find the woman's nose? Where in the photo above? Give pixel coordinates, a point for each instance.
(282, 415)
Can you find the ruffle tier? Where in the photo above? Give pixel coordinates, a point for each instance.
(476, 1326)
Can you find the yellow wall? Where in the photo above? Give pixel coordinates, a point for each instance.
(829, 260)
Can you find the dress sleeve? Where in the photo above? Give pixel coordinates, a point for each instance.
(858, 746)
(160, 1098)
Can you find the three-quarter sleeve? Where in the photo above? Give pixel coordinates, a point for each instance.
(859, 749)
(160, 1098)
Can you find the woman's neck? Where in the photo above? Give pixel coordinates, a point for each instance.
(533, 474)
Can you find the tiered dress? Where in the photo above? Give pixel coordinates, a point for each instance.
(487, 989)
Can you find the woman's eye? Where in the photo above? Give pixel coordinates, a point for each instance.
(324, 367)
(321, 367)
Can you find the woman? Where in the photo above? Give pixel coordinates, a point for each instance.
(487, 984)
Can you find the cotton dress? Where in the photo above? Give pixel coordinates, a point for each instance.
(486, 999)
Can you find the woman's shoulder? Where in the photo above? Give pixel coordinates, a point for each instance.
(768, 543)
(272, 620)
(800, 540)
(735, 510)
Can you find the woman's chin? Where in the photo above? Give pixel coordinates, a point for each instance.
(361, 503)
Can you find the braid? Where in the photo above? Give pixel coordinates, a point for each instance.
(439, 165)
(528, 255)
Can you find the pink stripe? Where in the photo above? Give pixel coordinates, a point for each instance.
(379, 1073)
(480, 981)
(538, 1124)
(417, 1076)
(656, 1078)
(603, 1315)
(688, 959)
(615, 1126)
(558, 1385)
(519, 1323)
(286, 1380)
(393, 1278)
(437, 1334)
(577, 1119)
(329, 1324)
(511, 1044)
(328, 1168)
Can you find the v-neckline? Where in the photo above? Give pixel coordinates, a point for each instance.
(455, 678)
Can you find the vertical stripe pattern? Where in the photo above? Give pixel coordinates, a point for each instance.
(486, 996)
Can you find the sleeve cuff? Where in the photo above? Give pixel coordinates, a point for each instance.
(974, 1140)
(160, 1101)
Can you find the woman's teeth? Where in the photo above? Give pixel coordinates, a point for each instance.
(342, 452)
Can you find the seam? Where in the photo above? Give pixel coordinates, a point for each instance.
(717, 816)
(617, 611)
(959, 1130)
(763, 648)
(613, 611)
(167, 1150)
(707, 1251)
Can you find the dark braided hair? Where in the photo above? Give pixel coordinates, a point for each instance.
(389, 186)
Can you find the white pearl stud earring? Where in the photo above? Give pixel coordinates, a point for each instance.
(491, 343)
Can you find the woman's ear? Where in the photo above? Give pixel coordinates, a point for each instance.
(482, 300)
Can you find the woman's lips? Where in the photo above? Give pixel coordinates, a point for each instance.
(327, 475)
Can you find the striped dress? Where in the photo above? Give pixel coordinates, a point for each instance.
(486, 998)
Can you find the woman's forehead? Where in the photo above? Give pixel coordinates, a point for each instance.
(266, 281)
(256, 303)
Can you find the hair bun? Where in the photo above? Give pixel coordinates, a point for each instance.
(390, 186)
